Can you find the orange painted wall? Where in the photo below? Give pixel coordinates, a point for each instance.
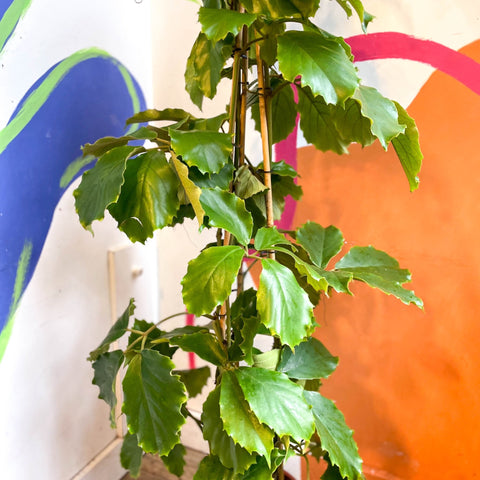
(409, 381)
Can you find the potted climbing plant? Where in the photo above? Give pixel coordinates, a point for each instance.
(265, 405)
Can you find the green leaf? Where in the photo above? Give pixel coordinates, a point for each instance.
(268, 360)
(153, 401)
(153, 115)
(239, 421)
(226, 210)
(210, 277)
(106, 368)
(322, 63)
(101, 185)
(258, 471)
(382, 113)
(105, 144)
(191, 190)
(317, 123)
(332, 473)
(131, 455)
(151, 342)
(407, 147)
(118, 329)
(148, 199)
(194, 379)
(204, 67)
(246, 183)
(248, 332)
(209, 151)
(221, 179)
(204, 344)
(335, 436)
(282, 8)
(175, 460)
(364, 16)
(283, 305)
(231, 455)
(217, 24)
(268, 237)
(321, 243)
(211, 467)
(277, 402)
(379, 270)
(311, 360)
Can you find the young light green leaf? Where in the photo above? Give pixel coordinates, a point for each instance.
(204, 344)
(153, 402)
(209, 151)
(317, 123)
(289, 414)
(322, 63)
(211, 467)
(310, 361)
(239, 421)
(210, 277)
(204, 67)
(231, 455)
(407, 147)
(175, 460)
(321, 243)
(217, 24)
(335, 436)
(247, 184)
(226, 210)
(101, 185)
(106, 368)
(194, 379)
(283, 305)
(269, 237)
(382, 113)
(131, 455)
(191, 190)
(379, 270)
(117, 330)
(148, 199)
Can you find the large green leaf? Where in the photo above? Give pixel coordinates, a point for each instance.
(321, 243)
(204, 344)
(194, 379)
(231, 455)
(131, 455)
(335, 436)
(115, 332)
(209, 151)
(282, 8)
(277, 402)
(407, 147)
(283, 305)
(268, 237)
(210, 277)
(309, 361)
(317, 123)
(211, 467)
(217, 24)
(226, 210)
(175, 460)
(322, 63)
(106, 368)
(204, 67)
(153, 401)
(238, 419)
(191, 190)
(101, 185)
(382, 113)
(148, 199)
(379, 270)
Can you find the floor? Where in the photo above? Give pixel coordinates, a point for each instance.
(153, 468)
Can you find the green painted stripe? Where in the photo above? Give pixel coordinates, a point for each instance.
(12, 16)
(39, 96)
(22, 267)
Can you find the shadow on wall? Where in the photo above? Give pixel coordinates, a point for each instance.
(408, 380)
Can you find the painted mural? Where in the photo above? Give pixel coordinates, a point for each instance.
(85, 96)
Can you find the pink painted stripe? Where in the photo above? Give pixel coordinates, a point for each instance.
(376, 46)
(192, 361)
